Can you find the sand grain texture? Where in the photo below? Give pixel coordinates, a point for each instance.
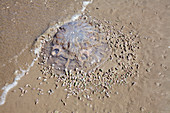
(21, 22)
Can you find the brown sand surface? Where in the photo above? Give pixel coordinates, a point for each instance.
(148, 92)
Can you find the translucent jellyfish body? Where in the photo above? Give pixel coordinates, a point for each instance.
(76, 45)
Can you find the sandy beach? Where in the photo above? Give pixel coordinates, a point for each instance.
(145, 25)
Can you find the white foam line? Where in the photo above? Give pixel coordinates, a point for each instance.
(84, 5)
(7, 88)
(17, 78)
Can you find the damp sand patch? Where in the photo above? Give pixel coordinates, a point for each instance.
(87, 56)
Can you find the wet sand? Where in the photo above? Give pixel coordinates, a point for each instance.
(22, 22)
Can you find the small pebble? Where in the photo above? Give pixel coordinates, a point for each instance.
(142, 109)
(25, 91)
(44, 80)
(14, 91)
(39, 78)
(27, 85)
(40, 83)
(21, 95)
(157, 84)
(36, 101)
(116, 93)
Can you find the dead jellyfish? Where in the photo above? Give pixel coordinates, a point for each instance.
(79, 45)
